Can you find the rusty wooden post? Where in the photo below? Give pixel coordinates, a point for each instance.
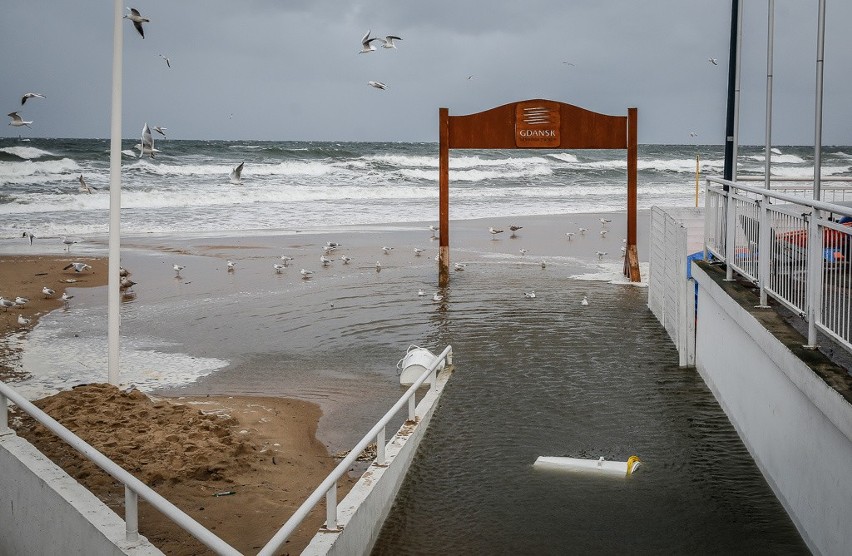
(631, 258)
(444, 197)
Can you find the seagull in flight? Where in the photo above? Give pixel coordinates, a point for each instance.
(377, 85)
(366, 43)
(168, 63)
(84, 187)
(387, 42)
(713, 61)
(147, 145)
(137, 20)
(160, 130)
(77, 266)
(29, 96)
(18, 121)
(236, 174)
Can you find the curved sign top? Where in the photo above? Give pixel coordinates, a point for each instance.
(537, 124)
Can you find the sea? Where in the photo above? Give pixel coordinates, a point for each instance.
(533, 376)
(298, 185)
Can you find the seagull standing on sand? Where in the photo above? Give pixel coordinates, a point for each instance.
(231, 265)
(68, 242)
(345, 259)
(29, 96)
(417, 251)
(377, 85)
(600, 254)
(605, 221)
(177, 268)
(543, 264)
(23, 321)
(603, 233)
(387, 250)
(137, 20)
(420, 293)
(18, 121)
(306, 273)
(325, 260)
(279, 267)
(378, 266)
(437, 297)
(286, 260)
(236, 174)
(65, 297)
(387, 42)
(48, 292)
(6, 303)
(21, 301)
(433, 229)
(582, 231)
(569, 235)
(459, 267)
(84, 187)
(494, 231)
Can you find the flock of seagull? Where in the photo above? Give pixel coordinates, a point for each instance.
(367, 46)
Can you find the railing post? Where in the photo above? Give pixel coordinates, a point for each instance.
(814, 276)
(4, 415)
(763, 250)
(331, 508)
(730, 234)
(380, 447)
(131, 514)
(411, 406)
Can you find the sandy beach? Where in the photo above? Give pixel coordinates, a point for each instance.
(239, 428)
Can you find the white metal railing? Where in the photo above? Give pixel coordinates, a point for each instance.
(328, 487)
(793, 248)
(133, 487)
(804, 187)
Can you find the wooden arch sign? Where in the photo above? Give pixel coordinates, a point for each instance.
(536, 124)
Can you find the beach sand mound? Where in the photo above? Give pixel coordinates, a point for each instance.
(263, 452)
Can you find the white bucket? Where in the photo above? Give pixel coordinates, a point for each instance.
(414, 364)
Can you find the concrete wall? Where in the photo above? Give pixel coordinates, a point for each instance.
(44, 511)
(796, 426)
(363, 511)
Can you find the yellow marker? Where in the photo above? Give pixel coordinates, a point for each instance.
(630, 461)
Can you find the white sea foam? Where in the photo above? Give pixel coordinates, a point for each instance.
(564, 157)
(779, 158)
(612, 273)
(12, 172)
(26, 152)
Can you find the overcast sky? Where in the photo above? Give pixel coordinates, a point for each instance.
(290, 70)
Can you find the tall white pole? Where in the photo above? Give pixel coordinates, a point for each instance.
(113, 314)
(770, 47)
(818, 115)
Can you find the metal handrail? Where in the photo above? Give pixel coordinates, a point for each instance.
(133, 487)
(808, 301)
(328, 487)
